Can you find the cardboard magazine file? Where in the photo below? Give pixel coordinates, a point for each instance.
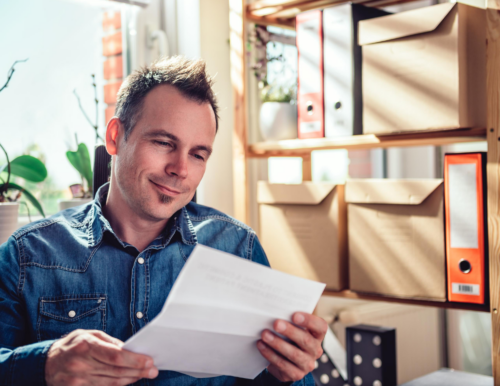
(303, 230)
(424, 69)
(396, 237)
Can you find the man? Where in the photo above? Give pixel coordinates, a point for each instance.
(73, 287)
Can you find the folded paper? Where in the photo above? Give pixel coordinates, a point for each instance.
(215, 313)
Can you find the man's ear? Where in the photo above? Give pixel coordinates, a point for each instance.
(113, 133)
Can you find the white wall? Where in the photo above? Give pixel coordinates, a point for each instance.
(217, 186)
(411, 162)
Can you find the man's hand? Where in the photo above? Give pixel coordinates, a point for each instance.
(90, 357)
(290, 363)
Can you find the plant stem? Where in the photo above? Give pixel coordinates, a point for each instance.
(6, 185)
(81, 108)
(10, 73)
(96, 126)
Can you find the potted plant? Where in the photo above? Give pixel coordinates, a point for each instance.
(24, 166)
(82, 193)
(80, 160)
(278, 112)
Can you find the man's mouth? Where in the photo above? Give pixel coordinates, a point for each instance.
(166, 190)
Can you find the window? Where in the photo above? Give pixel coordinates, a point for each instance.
(40, 114)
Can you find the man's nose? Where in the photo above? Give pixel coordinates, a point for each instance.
(178, 165)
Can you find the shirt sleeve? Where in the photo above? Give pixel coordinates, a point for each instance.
(20, 364)
(266, 378)
(258, 255)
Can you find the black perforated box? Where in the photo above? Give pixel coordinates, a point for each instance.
(371, 355)
(326, 374)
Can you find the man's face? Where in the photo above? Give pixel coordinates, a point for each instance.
(159, 166)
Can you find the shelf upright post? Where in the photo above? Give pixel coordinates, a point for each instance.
(493, 172)
(237, 39)
(306, 168)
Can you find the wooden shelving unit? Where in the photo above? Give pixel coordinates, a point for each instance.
(347, 294)
(282, 13)
(303, 147)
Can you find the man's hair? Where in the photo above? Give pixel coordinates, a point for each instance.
(187, 76)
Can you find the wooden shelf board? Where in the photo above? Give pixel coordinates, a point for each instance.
(283, 12)
(283, 23)
(301, 147)
(380, 298)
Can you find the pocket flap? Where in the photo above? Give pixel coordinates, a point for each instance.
(70, 308)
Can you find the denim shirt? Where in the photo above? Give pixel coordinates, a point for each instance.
(71, 271)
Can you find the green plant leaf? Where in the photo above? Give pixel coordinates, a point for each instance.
(80, 160)
(74, 159)
(28, 196)
(87, 167)
(27, 167)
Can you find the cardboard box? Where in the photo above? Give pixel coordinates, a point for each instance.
(396, 237)
(424, 69)
(303, 230)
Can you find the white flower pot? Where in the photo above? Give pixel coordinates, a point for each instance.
(9, 212)
(278, 120)
(66, 204)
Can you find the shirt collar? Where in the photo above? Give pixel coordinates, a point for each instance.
(98, 224)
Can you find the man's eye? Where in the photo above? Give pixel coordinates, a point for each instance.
(197, 156)
(161, 143)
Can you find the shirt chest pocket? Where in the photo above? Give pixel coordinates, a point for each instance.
(59, 315)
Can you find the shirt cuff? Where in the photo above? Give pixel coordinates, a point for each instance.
(28, 364)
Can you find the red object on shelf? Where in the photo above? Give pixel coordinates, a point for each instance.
(466, 242)
(311, 123)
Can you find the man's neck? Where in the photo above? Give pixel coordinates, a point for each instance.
(127, 224)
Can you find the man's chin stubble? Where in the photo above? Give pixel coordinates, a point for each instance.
(164, 199)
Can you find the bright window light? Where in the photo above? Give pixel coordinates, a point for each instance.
(285, 170)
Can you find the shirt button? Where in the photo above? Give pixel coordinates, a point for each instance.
(72, 314)
(140, 260)
(139, 315)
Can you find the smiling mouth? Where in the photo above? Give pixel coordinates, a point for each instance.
(165, 190)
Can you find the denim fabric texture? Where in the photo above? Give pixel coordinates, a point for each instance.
(71, 271)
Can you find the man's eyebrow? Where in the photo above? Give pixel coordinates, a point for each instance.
(163, 133)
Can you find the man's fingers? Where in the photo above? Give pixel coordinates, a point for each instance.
(298, 357)
(105, 337)
(289, 372)
(303, 338)
(110, 354)
(102, 369)
(316, 326)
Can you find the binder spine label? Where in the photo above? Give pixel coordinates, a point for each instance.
(310, 127)
(465, 289)
(463, 206)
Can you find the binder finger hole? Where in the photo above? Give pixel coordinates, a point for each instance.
(309, 107)
(464, 266)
